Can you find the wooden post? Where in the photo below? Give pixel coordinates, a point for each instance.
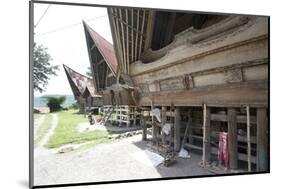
(144, 128)
(135, 115)
(232, 138)
(249, 138)
(163, 120)
(177, 129)
(206, 135)
(154, 133)
(262, 140)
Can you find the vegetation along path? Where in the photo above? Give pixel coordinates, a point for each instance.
(50, 129)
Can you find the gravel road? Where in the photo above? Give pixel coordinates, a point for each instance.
(107, 162)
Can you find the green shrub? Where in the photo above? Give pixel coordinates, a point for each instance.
(54, 103)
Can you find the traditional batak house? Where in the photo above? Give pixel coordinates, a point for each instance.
(83, 90)
(104, 68)
(207, 73)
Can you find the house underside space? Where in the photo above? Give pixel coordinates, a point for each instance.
(198, 81)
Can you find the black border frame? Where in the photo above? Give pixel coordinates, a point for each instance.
(31, 96)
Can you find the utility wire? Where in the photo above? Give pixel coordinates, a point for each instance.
(42, 16)
(68, 26)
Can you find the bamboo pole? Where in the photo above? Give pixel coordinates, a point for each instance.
(204, 135)
(132, 36)
(123, 43)
(127, 42)
(249, 138)
(136, 46)
(141, 37)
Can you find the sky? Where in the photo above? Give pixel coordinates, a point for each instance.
(62, 32)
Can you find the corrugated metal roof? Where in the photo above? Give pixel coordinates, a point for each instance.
(81, 81)
(106, 49)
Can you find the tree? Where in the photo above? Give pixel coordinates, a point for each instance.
(54, 103)
(42, 69)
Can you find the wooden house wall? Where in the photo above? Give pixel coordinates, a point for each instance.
(228, 66)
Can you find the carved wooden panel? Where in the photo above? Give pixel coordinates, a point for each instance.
(172, 84)
(144, 88)
(234, 75)
(153, 87)
(188, 81)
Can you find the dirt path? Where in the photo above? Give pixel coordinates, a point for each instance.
(108, 162)
(40, 149)
(38, 122)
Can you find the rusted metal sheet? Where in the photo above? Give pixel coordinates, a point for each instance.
(79, 83)
(105, 48)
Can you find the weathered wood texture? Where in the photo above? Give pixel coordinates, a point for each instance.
(262, 140)
(177, 126)
(232, 138)
(206, 135)
(144, 128)
(238, 94)
(239, 41)
(248, 138)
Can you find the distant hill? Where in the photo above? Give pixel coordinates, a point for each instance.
(40, 101)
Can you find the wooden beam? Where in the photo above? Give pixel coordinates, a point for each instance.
(239, 118)
(206, 135)
(128, 25)
(132, 36)
(144, 128)
(163, 120)
(262, 140)
(154, 129)
(177, 127)
(138, 18)
(230, 95)
(149, 30)
(123, 43)
(117, 43)
(249, 138)
(127, 42)
(141, 37)
(232, 138)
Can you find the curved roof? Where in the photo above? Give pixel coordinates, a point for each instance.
(106, 49)
(79, 83)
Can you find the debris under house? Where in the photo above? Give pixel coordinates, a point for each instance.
(206, 75)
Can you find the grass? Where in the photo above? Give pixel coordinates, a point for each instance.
(43, 129)
(67, 131)
(36, 115)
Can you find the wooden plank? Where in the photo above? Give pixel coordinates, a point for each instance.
(132, 36)
(262, 140)
(154, 128)
(119, 45)
(232, 138)
(240, 138)
(136, 46)
(127, 42)
(239, 118)
(249, 138)
(241, 156)
(144, 128)
(123, 43)
(206, 135)
(254, 93)
(163, 120)
(149, 30)
(141, 37)
(177, 129)
(191, 146)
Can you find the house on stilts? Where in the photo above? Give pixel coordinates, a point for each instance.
(206, 73)
(83, 90)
